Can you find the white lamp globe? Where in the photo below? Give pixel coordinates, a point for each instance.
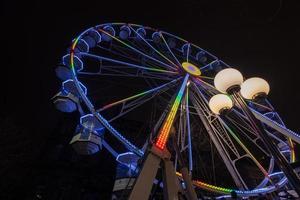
(227, 78)
(254, 87)
(219, 103)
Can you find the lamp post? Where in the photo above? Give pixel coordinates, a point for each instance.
(230, 81)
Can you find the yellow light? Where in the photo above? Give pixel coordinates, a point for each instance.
(191, 69)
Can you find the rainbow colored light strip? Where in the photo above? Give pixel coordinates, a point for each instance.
(124, 100)
(154, 48)
(165, 131)
(246, 149)
(72, 54)
(293, 155)
(140, 94)
(209, 187)
(132, 48)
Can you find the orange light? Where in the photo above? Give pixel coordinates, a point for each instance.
(165, 130)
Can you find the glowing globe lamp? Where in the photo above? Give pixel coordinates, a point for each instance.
(220, 103)
(227, 79)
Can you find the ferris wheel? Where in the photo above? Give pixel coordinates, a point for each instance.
(137, 88)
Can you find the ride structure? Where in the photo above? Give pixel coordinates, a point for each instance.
(206, 130)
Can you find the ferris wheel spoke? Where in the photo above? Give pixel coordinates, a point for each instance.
(207, 87)
(276, 126)
(221, 132)
(154, 49)
(168, 47)
(219, 136)
(241, 129)
(121, 52)
(120, 71)
(136, 50)
(260, 105)
(199, 80)
(184, 141)
(208, 65)
(135, 75)
(131, 105)
(206, 77)
(140, 44)
(266, 174)
(189, 130)
(244, 119)
(188, 52)
(126, 63)
(165, 130)
(155, 90)
(229, 163)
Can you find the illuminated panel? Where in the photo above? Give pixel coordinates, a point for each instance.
(165, 130)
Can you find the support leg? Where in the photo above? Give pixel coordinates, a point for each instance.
(143, 185)
(188, 184)
(170, 180)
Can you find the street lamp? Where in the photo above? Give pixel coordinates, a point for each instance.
(230, 81)
(220, 103)
(254, 87)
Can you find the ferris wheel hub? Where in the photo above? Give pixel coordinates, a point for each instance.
(191, 69)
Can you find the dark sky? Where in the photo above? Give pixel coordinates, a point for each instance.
(261, 38)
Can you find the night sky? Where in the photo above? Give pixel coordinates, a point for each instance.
(260, 39)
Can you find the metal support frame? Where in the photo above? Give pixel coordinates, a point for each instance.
(186, 176)
(189, 131)
(278, 127)
(154, 68)
(204, 114)
(156, 158)
(280, 160)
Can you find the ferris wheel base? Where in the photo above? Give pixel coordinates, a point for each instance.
(155, 159)
(144, 182)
